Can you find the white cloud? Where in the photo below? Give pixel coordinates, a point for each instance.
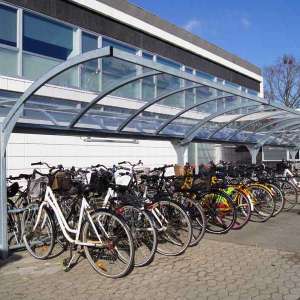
(192, 24)
(245, 22)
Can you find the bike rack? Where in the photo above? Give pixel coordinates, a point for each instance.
(182, 124)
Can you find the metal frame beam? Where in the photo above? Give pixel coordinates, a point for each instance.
(267, 125)
(244, 126)
(210, 99)
(183, 75)
(14, 113)
(109, 90)
(195, 129)
(154, 101)
(238, 118)
(263, 140)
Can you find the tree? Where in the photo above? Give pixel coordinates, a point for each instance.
(282, 81)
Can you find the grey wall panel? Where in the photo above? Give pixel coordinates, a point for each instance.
(90, 20)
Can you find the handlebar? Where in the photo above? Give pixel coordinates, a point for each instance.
(162, 168)
(21, 176)
(131, 164)
(98, 166)
(40, 163)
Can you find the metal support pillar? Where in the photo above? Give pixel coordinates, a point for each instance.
(3, 199)
(253, 152)
(293, 153)
(182, 153)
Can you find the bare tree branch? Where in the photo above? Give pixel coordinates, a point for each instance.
(282, 81)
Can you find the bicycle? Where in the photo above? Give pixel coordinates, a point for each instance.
(104, 236)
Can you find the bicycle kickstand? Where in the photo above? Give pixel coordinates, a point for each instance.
(70, 262)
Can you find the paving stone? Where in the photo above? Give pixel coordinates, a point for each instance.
(203, 272)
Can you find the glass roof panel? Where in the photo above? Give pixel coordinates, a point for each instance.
(134, 94)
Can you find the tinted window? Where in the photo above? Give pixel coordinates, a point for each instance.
(8, 27)
(89, 42)
(47, 37)
(107, 42)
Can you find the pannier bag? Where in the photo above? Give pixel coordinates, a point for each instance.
(62, 182)
(37, 187)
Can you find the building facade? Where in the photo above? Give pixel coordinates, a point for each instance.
(37, 35)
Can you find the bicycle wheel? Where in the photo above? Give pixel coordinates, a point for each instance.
(174, 229)
(38, 235)
(113, 257)
(243, 208)
(290, 194)
(278, 198)
(143, 232)
(219, 209)
(196, 214)
(13, 226)
(263, 204)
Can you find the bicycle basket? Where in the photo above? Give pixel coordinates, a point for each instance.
(37, 187)
(100, 181)
(12, 190)
(62, 182)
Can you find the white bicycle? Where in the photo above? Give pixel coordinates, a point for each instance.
(105, 237)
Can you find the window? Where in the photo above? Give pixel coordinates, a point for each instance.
(8, 37)
(190, 93)
(8, 28)
(204, 75)
(169, 83)
(48, 38)
(90, 75)
(47, 44)
(107, 42)
(232, 85)
(148, 83)
(115, 70)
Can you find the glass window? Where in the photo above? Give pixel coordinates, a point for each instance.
(167, 83)
(189, 70)
(252, 92)
(233, 85)
(8, 62)
(148, 83)
(204, 75)
(90, 75)
(107, 42)
(190, 93)
(35, 66)
(115, 70)
(89, 42)
(46, 37)
(147, 56)
(8, 27)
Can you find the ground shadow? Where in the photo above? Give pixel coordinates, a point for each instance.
(11, 258)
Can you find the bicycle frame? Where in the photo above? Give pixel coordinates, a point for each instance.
(51, 201)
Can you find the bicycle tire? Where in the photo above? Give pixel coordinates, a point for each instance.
(278, 198)
(13, 226)
(217, 206)
(263, 203)
(290, 194)
(243, 208)
(175, 231)
(196, 214)
(141, 221)
(116, 238)
(33, 238)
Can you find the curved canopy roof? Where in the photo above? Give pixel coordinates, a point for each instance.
(173, 105)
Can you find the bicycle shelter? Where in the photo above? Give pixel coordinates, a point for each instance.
(211, 112)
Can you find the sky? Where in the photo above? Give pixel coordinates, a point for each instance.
(259, 31)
